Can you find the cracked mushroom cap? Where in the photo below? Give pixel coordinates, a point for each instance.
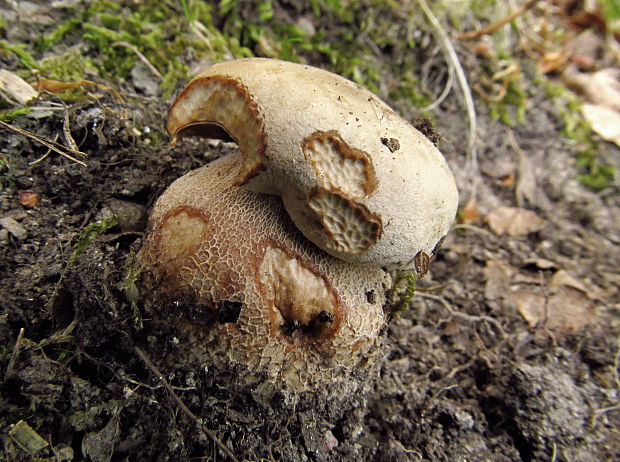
(357, 179)
(261, 295)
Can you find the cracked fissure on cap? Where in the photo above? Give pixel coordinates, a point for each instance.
(338, 166)
(348, 226)
(357, 180)
(344, 175)
(301, 318)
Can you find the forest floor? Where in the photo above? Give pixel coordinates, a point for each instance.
(510, 349)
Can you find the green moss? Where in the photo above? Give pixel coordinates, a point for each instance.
(49, 40)
(596, 175)
(90, 233)
(7, 180)
(11, 115)
(85, 239)
(71, 66)
(512, 108)
(611, 10)
(21, 51)
(129, 286)
(402, 292)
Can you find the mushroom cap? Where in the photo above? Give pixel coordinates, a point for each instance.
(261, 297)
(356, 178)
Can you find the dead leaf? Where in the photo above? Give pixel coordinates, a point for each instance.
(469, 213)
(16, 88)
(601, 87)
(566, 308)
(57, 86)
(603, 120)
(562, 278)
(29, 198)
(498, 275)
(541, 263)
(530, 305)
(514, 221)
(553, 61)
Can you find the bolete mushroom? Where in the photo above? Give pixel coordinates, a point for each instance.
(354, 180)
(261, 295)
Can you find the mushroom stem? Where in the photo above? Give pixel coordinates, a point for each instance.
(262, 295)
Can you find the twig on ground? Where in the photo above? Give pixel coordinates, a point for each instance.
(467, 317)
(181, 404)
(44, 156)
(53, 145)
(453, 59)
(474, 228)
(140, 56)
(66, 130)
(9, 369)
(444, 94)
(599, 412)
(497, 24)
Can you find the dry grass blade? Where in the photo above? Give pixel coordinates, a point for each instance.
(63, 151)
(9, 369)
(181, 404)
(453, 59)
(141, 57)
(444, 94)
(497, 24)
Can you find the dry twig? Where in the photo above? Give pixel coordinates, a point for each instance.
(467, 317)
(181, 404)
(140, 56)
(9, 369)
(53, 145)
(497, 24)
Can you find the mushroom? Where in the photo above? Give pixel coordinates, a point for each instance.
(260, 294)
(357, 180)
(292, 288)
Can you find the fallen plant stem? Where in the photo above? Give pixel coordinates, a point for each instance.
(66, 129)
(467, 317)
(453, 60)
(181, 404)
(599, 412)
(497, 24)
(140, 56)
(9, 369)
(49, 144)
(44, 156)
(444, 94)
(57, 86)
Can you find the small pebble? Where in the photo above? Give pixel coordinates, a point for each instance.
(13, 227)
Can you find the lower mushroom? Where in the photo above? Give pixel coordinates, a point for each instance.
(262, 298)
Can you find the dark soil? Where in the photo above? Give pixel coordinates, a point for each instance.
(464, 376)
